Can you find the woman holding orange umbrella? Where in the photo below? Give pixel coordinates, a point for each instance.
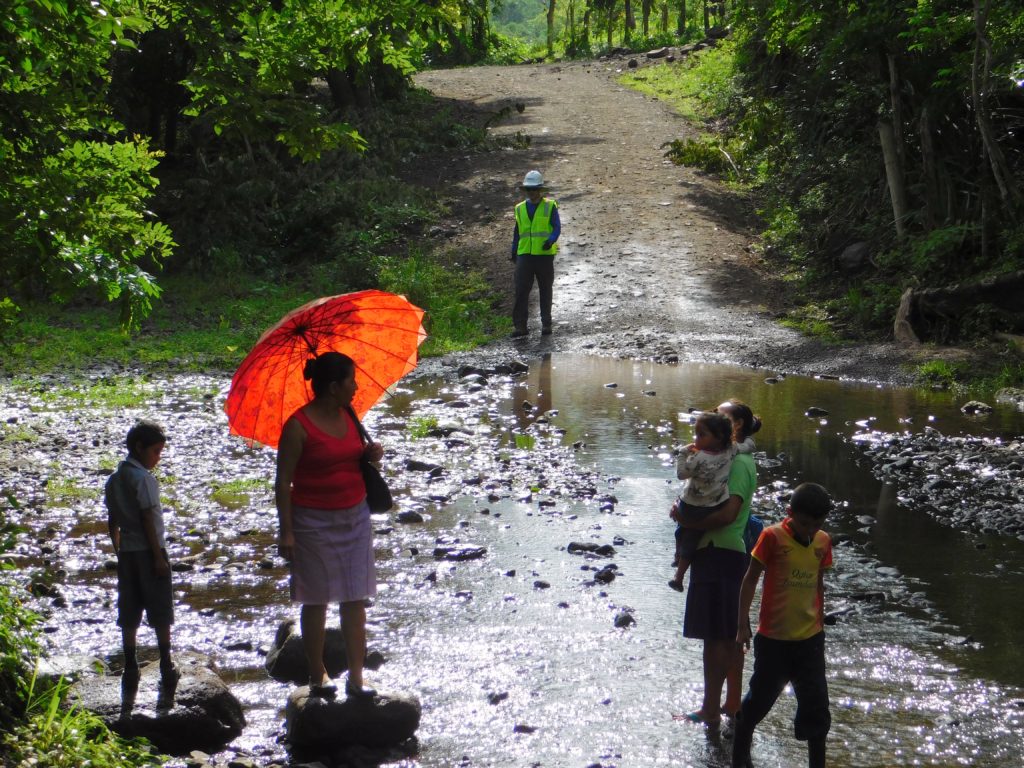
(325, 530)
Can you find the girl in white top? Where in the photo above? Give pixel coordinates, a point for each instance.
(705, 465)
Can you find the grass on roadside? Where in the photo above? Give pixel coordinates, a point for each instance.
(59, 736)
(199, 326)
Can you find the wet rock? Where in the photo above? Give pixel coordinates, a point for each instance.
(286, 660)
(415, 465)
(201, 713)
(1011, 396)
(624, 618)
(409, 516)
(523, 728)
(658, 53)
(383, 721)
(541, 584)
(590, 547)
(496, 698)
(814, 412)
(975, 407)
(459, 554)
(607, 574)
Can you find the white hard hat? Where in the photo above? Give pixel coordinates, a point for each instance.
(533, 180)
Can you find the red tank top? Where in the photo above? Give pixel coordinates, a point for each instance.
(328, 474)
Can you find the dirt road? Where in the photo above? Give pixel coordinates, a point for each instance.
(656, 261)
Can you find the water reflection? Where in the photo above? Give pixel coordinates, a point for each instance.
(922, 661)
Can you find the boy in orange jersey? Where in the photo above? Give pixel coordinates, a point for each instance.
(790, 643)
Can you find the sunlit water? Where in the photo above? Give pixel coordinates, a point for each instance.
(929, 675)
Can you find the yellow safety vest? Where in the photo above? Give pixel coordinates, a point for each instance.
(533, 234)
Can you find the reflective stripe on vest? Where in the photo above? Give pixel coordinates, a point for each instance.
(533, 234)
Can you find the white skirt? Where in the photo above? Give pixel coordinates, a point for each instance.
(333, 560)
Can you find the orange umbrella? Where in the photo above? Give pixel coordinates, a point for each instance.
(380, 331)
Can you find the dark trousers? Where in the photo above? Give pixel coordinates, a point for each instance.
(528, 269)
(776, 663)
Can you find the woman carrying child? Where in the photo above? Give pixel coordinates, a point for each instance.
(704, 464)
(716, 573)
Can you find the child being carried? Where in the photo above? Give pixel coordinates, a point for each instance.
(705, 465)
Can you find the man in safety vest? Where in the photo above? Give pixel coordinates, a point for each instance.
(534, 244)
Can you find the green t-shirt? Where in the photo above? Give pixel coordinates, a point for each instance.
(742, 483)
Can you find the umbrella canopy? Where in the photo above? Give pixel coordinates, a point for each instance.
(380, 331)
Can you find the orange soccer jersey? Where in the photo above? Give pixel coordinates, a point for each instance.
(791, 606)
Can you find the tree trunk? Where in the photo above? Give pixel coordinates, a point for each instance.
(895, 104)
(629, 23)
(551, 27)
(707, 18)
(980, 70)
(929, 172)
(681, 27)
(936, 312)
(646, 14)
(894, 175)
(338, 83)
(664, 17)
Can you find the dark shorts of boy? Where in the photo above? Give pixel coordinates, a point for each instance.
(779, 662)
(138, 589)
(713, 599)
(687, 539)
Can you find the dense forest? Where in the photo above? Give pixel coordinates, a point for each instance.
(883, 139)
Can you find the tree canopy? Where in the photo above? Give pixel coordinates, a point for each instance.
(97, 96)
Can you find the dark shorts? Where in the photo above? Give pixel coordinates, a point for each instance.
(781, 662)
(688, 539)
(138, 589)
(713, 598)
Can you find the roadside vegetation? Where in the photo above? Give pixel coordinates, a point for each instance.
(826, 115)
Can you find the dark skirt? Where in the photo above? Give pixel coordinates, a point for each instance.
(713, 597)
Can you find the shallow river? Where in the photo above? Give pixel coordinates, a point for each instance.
(924, 666)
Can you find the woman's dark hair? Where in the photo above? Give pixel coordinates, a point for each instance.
(720, 427)
(745, 423)
(146, 432)
(323, 369)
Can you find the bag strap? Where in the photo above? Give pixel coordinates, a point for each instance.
(363, 434)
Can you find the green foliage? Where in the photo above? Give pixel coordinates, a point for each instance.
(17, 640)
(59, 736)
(706, 153)
(421, 426)
(942, 374)
(459, 304)
(73, 193)
(797, 110)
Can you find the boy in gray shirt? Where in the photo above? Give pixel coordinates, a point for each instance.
(136, 524)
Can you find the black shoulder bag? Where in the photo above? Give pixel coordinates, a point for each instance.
(378, 495)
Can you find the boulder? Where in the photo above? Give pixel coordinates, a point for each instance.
(1011, 396)
(199, 713)
(383, 721)
(975, 408)
(286, 660)
(854, 256)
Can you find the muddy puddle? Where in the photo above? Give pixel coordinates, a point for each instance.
(515, 655)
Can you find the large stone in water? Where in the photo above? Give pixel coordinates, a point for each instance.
(286, 660)
(201, 713)
(383, 721)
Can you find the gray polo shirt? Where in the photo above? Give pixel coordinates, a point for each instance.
(130, 490)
